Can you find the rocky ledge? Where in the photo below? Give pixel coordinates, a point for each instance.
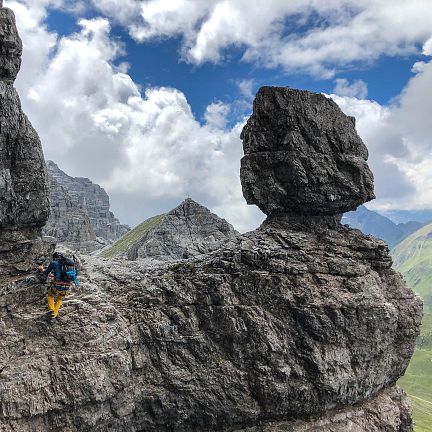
(285, 324)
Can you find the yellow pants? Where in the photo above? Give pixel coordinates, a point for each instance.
(55, 299)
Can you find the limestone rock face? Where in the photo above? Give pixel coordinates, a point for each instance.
(24, 206)
(303, 155)
(11, 46)
(388, 411)
(92, 199)
(300, 325)
(68, 222)
(187, 231)
(282, 324)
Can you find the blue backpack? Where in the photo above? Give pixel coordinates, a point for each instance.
(69, 271)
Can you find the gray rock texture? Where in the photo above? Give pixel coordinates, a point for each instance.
(300, 325)
(187, 231)
(282, 324)
(92, 199)
(69, 222)
(388, 411)
(11, 47)
(24, 206)
(303, 155)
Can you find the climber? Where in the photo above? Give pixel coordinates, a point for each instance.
(64, 270)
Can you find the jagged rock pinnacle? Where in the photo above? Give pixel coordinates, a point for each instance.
(189, 230)
(303, 155)
(24, 206)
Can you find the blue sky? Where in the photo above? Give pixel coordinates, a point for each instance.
(148, 97)
(156, 63)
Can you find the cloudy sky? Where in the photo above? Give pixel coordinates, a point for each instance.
(148, 97)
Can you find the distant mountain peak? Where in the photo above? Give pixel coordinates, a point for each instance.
(188, 230)
(373, 223)
(89, 202)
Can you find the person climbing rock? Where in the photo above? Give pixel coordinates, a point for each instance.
(65, 272)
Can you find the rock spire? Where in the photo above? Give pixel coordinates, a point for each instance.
(24, 206)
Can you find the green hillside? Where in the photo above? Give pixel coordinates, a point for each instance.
(413, 258)
(124, 243)
(417, 382)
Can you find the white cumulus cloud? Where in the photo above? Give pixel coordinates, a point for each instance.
(427, 47)
(148, 150)
(313, 36)
(357, 88)
(399, 140)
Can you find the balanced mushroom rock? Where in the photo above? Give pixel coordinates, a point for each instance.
(303, 155)
(356, 319)
(24, 206)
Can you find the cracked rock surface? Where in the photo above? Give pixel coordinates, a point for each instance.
(285, 324)
(301, 325)
(24, 206)
(303, 155)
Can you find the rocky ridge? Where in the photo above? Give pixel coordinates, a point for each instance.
(187, 231)
(91, 198)
(301, 325)
(281, 326)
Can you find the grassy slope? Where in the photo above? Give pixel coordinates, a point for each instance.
(413, 257)
(417, 382)
(124, 243)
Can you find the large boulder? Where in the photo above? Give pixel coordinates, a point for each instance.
(303, 155)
